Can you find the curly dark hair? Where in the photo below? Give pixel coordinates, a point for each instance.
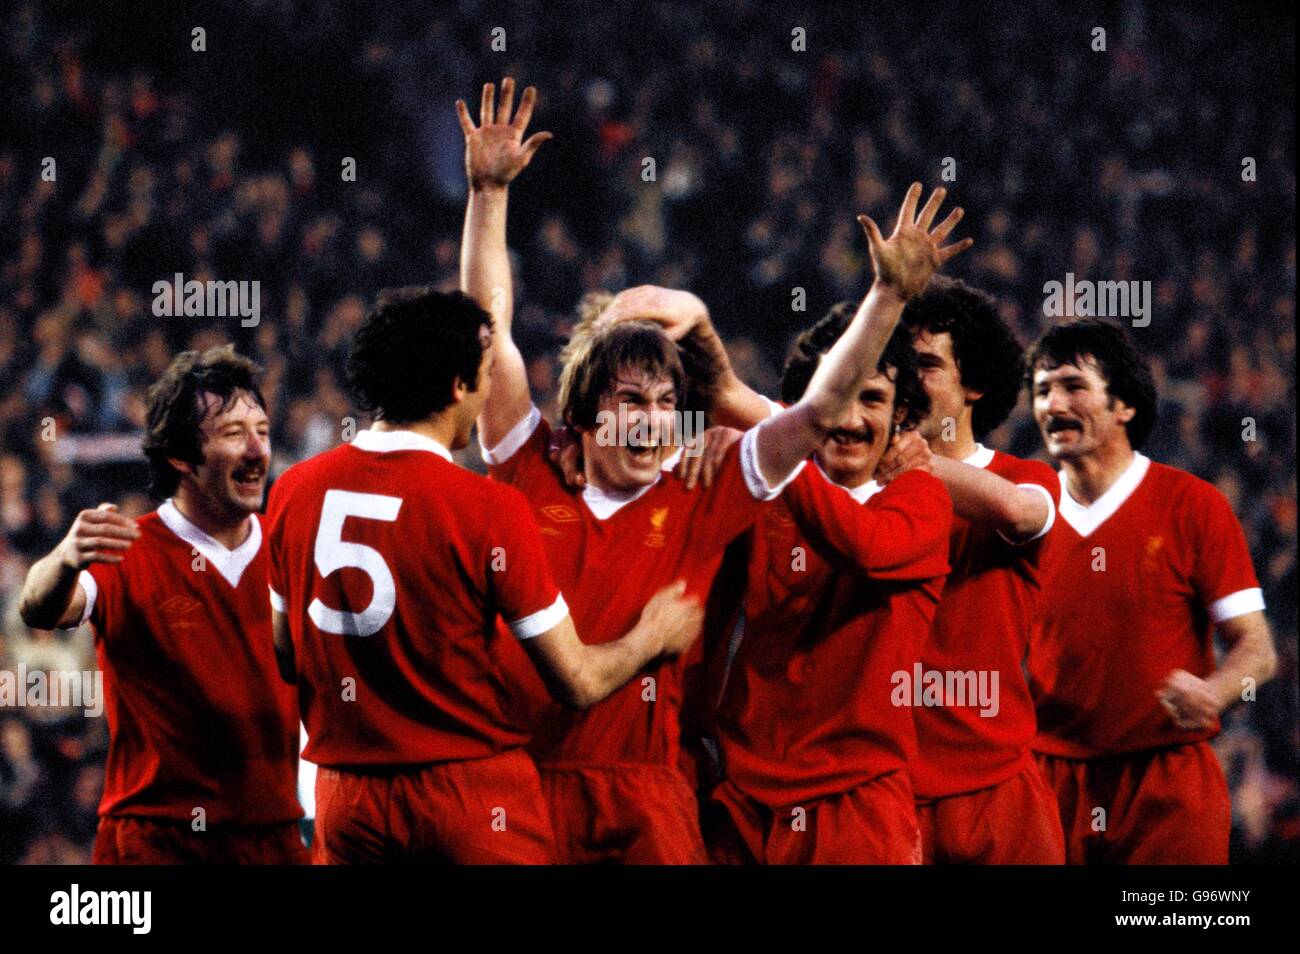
(410, 350)
(899, 355)
(1127, 374)
(986, 350)
(175, 411)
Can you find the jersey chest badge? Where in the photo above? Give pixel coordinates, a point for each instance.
(658, 517)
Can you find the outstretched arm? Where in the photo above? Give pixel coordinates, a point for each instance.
(496, 152)
(903, 265)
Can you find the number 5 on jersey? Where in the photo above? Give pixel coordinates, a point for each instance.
(333, 553)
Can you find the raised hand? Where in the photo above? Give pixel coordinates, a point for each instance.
(905, 261)
(101, 535)
(677, 312)
(495, 150)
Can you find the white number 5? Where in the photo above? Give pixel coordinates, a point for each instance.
(332, 553)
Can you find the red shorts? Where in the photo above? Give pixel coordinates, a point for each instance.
(134, 840)
(631, 814)
(1012, 823)
(475, 811)
(873, 824)
(1158, 807)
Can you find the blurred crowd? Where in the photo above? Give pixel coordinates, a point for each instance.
(128, 155)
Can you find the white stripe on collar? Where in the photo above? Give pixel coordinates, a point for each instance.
(1086, 519)
(231, 564)
(385, 442)
(982, 457)
(603, 504)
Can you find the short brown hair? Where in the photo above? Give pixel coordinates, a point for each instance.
(597, 351)
(175, 415)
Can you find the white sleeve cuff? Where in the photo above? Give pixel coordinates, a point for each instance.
(541, 621)
(277, 601)
(1237, 604)
(91, 589)
(516, 439)
(758, 486)
(773, 408)
(1051, 517)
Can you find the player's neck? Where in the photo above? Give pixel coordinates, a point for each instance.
(1087, 478)
(959, 449)
(956, 438)
(229, 531)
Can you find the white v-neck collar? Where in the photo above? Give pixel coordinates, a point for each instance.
(861, 493)
(603, 504)
(231, 564)
(1086, 519)
(981, 458)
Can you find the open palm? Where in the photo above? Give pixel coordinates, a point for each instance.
(495, 150)
(906, 260)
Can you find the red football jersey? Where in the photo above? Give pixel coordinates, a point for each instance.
(1132, 588)
(842, 589)
(392, 566)
(610, 554)
(982, 627)
(198, 716)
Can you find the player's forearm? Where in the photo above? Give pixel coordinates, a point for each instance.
(737, 404)
(854, 357)
(484, 258)
(608, 666)
(792, 435)
(1252, 657)
(985, 498)
(48, 592)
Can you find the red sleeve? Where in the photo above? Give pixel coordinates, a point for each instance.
(107, 580)
(728, 508)
(529, 464)
(1221, 567)
(900, 534)
(518, 573)
(1031, 473)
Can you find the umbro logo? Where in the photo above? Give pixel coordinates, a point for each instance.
(178, 605)
(560, 513)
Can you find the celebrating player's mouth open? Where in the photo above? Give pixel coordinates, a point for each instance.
(611, 773)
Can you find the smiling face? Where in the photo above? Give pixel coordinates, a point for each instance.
(1076, 414)
(625, 458)
(851, 452)
(230, 482)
